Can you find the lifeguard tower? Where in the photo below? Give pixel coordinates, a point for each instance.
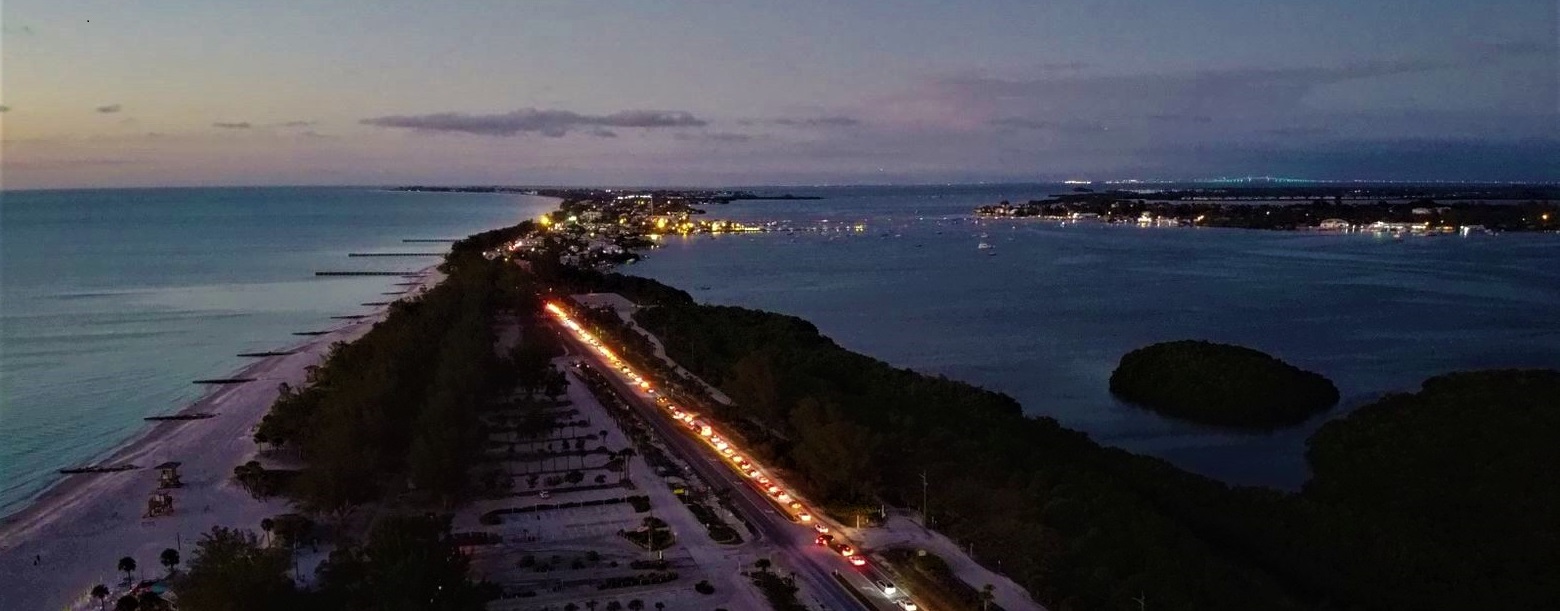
(160, 504)
(168, 475)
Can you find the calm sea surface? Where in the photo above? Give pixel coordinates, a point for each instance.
(1046, 318)
(112, 301)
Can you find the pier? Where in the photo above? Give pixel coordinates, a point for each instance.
(401, 274)
(375, 303)
(99, 469)
(224, 381)
(265, 354)
(429, 240)
(350, 317)
(395, 254)
(310, 332)
(194, 416)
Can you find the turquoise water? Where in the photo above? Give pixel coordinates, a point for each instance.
(113, 301)
(1047, 317)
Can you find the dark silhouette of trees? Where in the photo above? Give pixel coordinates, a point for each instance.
(1427, 501)
(1220, 384)
(169, 559)
(127, 566)
(231, 571)
(407, 562)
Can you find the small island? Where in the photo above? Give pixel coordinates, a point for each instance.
(1220, 384)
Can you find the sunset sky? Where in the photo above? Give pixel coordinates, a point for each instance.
(218, 92)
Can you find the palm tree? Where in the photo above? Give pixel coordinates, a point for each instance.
(636, 605)
(614, 606)
(988, 593)
(169, 559)
(266, 524)
(127, 566)
(127, 603)
(100, 592)
(660, 606)
(591, 604)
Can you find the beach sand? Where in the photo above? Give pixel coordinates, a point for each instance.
(72, 536)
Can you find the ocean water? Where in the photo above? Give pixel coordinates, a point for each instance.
(113, 301)
(1047, 316)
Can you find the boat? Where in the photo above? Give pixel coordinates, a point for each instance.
(984, 246)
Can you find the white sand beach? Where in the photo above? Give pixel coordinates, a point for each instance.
(71, 537)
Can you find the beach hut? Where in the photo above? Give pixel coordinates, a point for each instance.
(168, 475)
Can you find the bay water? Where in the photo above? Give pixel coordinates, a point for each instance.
(1046, 311)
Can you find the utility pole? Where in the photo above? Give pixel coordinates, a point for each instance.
(924, 517)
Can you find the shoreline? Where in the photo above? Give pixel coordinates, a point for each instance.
(79, 523)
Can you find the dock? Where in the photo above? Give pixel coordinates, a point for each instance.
(395, 254)
(375, 303)
(224, 381)
(401, 274)
(350, 317)
(310, 332)
(265, 354)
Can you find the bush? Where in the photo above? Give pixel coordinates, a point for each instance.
(704, 587)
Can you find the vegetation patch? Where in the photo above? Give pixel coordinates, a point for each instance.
(1220, 384)
(779, 591)
(930, 577)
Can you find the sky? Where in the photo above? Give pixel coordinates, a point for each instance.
(120, 93)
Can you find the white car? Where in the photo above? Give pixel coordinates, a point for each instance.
(904, 603)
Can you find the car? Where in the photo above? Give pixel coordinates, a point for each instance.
(804, 516)
(886, 586)
(858, 561)
(821, 527)
(824, 540)
(907, 605)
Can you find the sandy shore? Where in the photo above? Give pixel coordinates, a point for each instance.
(71, 537)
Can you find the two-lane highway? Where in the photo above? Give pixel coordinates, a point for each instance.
(815, 566)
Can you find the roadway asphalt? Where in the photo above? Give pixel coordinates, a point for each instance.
(814, 565)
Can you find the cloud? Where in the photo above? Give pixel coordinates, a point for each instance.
(713, 137)
(1298, 131)
(1021, 123)
(550, 123)
(110, 108)
(238, 125)
(835, 121)
(295, 124)
(1179, 118)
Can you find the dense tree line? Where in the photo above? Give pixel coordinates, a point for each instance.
(1088, 527)
(1220, 384)
(398, 408)
(406, 562)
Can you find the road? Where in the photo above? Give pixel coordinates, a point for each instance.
(814, 565)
